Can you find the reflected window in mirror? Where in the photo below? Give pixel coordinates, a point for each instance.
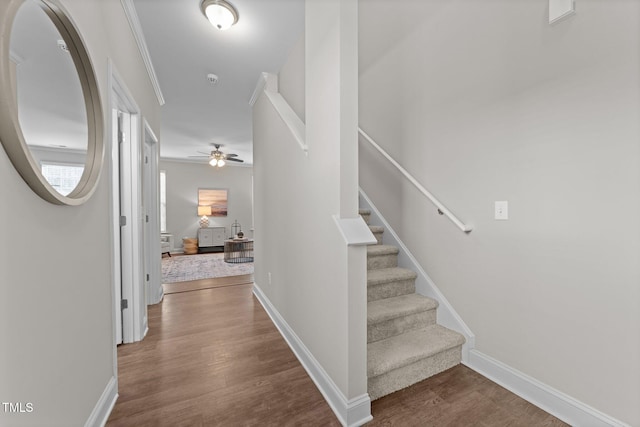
(63, 177)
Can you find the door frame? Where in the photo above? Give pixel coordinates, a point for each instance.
(151, 194)
(127, 272)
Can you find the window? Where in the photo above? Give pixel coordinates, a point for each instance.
(163, 201)
(63, 177)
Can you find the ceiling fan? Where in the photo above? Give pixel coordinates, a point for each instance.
(218, 158)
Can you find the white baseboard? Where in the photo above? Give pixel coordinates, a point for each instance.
(104, 406)
(545, 397)
(555, 402)
(159, 296)
(447, 315)
(350, 413)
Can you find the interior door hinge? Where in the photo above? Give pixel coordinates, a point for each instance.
(148, 277)
(146, 159)
(147, 218)
(120, 137)
(123, 221)
(124, 304)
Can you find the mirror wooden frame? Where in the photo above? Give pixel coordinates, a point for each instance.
(11, 135)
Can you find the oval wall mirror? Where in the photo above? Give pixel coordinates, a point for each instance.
(51, 122)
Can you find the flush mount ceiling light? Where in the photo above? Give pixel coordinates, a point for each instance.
(221, 14)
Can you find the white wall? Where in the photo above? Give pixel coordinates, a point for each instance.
(291, 79)
(302, 262)
(183, 181)
(55, 269)
(484, 101)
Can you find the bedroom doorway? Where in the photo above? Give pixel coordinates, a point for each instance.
(128, 244)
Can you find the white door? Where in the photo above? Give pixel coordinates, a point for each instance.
(116, 160)
(127, 258)
(130, 308)
(147, 201)
(151, 200)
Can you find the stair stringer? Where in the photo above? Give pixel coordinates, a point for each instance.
(447, 316)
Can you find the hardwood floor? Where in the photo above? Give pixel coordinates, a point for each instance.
(213, 357)
(217, 282)
(458, 397)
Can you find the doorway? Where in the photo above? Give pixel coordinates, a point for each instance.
(151, 209)
(129, 245)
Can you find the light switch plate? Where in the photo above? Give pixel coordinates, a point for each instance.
(502, 210)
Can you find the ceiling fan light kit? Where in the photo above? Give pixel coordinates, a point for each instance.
(217, 162)
(218, 159)
(220, 13)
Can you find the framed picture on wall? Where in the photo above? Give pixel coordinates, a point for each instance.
(216, 198)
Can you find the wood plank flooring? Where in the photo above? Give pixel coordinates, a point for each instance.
(217, 282)
(458, 397)
(213, 357)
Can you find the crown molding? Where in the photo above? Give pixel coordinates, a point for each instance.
(136, 28)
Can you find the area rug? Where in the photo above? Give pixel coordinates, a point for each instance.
(203, 266)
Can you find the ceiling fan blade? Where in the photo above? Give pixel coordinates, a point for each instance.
(202, 152)
(231, 155)
(199, 157)
(232, 159)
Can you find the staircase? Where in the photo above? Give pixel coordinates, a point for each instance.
(405, 345)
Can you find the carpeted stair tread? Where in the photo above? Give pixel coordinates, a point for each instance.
(405, 344)
(381, 256)
(403, 305)
(402, 350)
(390, 282)
(377, 232)
(376, 250)
(388, 275)
(365, 214)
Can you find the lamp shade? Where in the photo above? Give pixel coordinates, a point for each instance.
(204, 210)
(220, 13)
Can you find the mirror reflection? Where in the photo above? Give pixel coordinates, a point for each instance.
(51, 108)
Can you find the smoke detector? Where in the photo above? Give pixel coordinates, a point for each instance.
(212, 78)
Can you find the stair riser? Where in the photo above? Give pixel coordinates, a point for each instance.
(400, 325)
(366, 217)
(382, 261)
(390, 290)
(378, 236)
(400, 378)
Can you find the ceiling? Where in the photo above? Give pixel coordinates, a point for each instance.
(184, 48)
(45, 121)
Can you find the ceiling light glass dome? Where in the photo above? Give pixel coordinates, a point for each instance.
(221, 14)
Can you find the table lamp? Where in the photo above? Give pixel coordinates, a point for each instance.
(204, 211)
